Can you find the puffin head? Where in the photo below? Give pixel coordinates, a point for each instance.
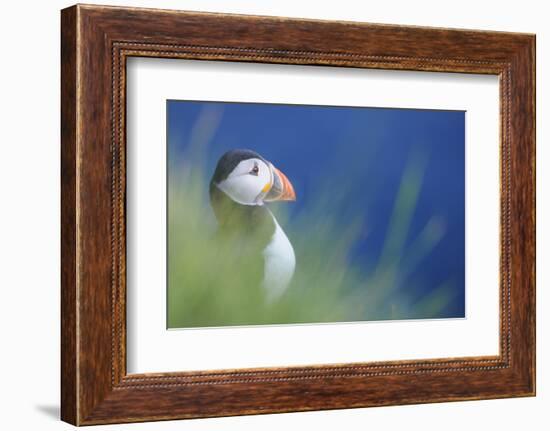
(249, 179)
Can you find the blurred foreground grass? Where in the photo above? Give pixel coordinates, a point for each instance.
(205, 277)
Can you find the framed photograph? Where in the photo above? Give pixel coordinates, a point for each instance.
(264, 215)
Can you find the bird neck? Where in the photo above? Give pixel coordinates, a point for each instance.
(236, 218)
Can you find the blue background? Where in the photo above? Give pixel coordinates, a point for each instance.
(362, 153)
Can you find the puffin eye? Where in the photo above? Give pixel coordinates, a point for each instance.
(255, 170)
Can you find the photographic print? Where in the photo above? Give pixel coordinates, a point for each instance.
(294, 214)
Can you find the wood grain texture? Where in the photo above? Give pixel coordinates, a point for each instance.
(96, 41)
(69, 367)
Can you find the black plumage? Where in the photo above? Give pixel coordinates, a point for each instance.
(230, 160)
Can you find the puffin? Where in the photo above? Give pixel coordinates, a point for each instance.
(241, 186)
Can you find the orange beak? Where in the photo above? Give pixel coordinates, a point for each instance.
(281, 189)
(288, 193)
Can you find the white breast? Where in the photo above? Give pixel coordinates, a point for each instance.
(279, 264)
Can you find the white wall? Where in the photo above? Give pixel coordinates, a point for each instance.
(29, 214)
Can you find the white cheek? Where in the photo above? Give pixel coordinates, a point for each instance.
(243, 189)
(264, 177)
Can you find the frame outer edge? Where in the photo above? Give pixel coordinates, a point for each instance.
(69, 201)
(532, 101)
(530, 63)
(524, 215)
(533, 54)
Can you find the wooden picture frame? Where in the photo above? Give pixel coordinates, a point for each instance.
(95, 43)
